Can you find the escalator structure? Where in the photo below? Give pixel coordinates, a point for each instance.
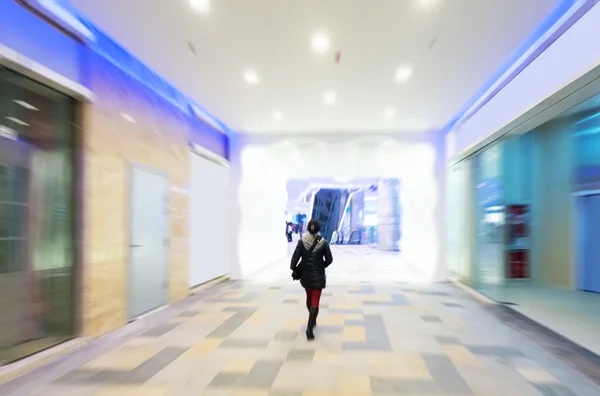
(328, 206)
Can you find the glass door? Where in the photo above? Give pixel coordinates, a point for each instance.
(36, 217)
(490, 221)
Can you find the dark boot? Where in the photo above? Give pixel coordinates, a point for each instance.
(308, 309)
(312, 319)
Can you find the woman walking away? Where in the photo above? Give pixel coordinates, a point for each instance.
(315, 254)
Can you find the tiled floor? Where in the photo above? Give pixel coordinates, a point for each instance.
(382, 331)
(568, 312)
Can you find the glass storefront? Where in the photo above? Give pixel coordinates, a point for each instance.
(524, 222)
(528, 200)
(36, 217)
(489, 217)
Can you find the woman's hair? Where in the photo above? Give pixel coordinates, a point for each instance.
(314, 227)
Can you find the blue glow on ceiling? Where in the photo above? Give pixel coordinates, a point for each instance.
(113, 52)
(120, 57)
(558, 12)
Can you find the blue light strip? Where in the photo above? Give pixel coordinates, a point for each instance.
(587, 132)
(63, 12)
(121, 58)
(110, 50)
(586, 119)
(557, 13)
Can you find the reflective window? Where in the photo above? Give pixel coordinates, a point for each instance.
(489, 215)
(585, 124)
(36, 217)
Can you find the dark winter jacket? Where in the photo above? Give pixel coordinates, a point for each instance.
(312, 265)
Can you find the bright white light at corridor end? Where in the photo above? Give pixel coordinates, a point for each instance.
(320, 42)
(329, 98)
(277, 116)
(251, 77)
(403, 73)
(202, 6)
(389, 112)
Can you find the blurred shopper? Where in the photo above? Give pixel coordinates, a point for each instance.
(301, 228)
(288, 231)
(315, 254)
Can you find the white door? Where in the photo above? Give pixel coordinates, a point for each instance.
(148, 244)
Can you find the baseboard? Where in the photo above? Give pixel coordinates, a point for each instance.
(23, 366)
(207, 284)
(477, 296)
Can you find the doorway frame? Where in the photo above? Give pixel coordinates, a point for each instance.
(131, 167)
(575, 234)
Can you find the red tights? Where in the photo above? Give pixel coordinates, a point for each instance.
(313, 296)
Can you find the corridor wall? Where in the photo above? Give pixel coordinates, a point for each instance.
(209, 242)
(154, 136)
(570, 55)
(460, 220)
(263, 165)
(129, 115)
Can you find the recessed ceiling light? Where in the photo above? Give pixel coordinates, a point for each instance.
(427, 3)
(403, 73)
(128, 118)
(277, 116)
(329, 98)
(17, 121)
(26, 105)
(320, 42)
(251, 77)
(202, 6)
(389, 112)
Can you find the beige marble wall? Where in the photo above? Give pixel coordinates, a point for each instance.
(157, 139)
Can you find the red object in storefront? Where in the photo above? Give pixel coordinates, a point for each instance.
(517, 241)
(518, 264)
(338, 55)
(517, 222)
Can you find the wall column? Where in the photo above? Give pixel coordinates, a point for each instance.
(357, 210)
(389, 215)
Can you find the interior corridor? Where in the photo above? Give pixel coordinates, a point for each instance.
(382, 331)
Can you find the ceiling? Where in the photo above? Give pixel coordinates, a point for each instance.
(452, 47)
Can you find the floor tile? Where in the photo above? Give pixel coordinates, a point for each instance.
(431, 319)
(263, 374)
(227, 328)
(160, 330)
(244, 343)
(445, 375)
(380, 332)
(240, 365)
(227, 379)
(123, 358)
(306, 355)
(132, 391)
(554, 390)
(152, 366)
(448, 340)
(354, 334)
